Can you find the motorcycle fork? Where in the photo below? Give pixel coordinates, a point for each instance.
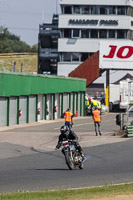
(71, 154)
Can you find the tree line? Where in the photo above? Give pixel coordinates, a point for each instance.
(10, 43)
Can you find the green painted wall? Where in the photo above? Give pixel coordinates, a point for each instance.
(16, 84)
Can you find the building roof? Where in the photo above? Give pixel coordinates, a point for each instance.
(95, 89)
(17, 84)
(124, 78)
(89, 69)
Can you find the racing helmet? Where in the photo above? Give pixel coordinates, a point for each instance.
(64, 130)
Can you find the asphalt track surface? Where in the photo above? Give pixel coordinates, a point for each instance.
(28, 167)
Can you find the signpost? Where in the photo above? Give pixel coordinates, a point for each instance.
(115, 55)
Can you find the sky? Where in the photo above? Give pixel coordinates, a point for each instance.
(22, 17)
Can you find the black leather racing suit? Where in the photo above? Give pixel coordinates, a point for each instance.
(70, 136)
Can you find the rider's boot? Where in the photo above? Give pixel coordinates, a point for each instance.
(82, 155)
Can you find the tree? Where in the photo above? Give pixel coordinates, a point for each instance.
(34, 48)
(10, 43)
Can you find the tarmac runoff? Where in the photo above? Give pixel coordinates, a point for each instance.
(46, 141)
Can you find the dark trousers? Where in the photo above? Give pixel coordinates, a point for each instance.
(69, 124)
(97, 127)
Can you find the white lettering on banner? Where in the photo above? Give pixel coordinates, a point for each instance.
(116, 55)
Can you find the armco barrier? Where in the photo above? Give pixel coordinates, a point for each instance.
(129, 131)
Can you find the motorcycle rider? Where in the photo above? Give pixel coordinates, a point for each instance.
(71, 135)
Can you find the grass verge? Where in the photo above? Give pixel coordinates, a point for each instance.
(29, 62)
(74, 194)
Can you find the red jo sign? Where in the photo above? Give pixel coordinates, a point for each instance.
(116, 55)
(119, 52)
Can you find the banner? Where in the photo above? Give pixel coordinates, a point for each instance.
(116, 54)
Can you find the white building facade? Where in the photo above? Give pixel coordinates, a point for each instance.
(84, 23)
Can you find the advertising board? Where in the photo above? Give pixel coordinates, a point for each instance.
(116, 54)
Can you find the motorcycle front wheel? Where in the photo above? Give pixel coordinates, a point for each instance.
(69, 160)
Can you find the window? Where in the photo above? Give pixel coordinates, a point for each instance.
(130, 11)
(66, 57)
(126, 10)
(112, 10)
(85, 10)
(76, 57)
(84, 33)
(111, 33)
(121, 10)
(84, 56)
(93, 33)
(45, 41)
(67, 33)
(76, 33)
(76, 9)
(103, 34)
(94, 10)
(67, 10)
(69, 57)
(132, 36)
(121, 34)
(103, 10)
(129, 35)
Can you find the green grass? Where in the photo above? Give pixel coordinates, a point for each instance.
(75, 194)
(29, 62)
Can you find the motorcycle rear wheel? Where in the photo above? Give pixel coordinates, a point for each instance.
(69, 161)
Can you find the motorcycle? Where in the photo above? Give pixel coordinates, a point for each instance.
(72, 155)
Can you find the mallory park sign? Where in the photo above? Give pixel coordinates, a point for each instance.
(92, 22)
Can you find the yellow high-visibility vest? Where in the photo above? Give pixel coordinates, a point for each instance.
(96, 102)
